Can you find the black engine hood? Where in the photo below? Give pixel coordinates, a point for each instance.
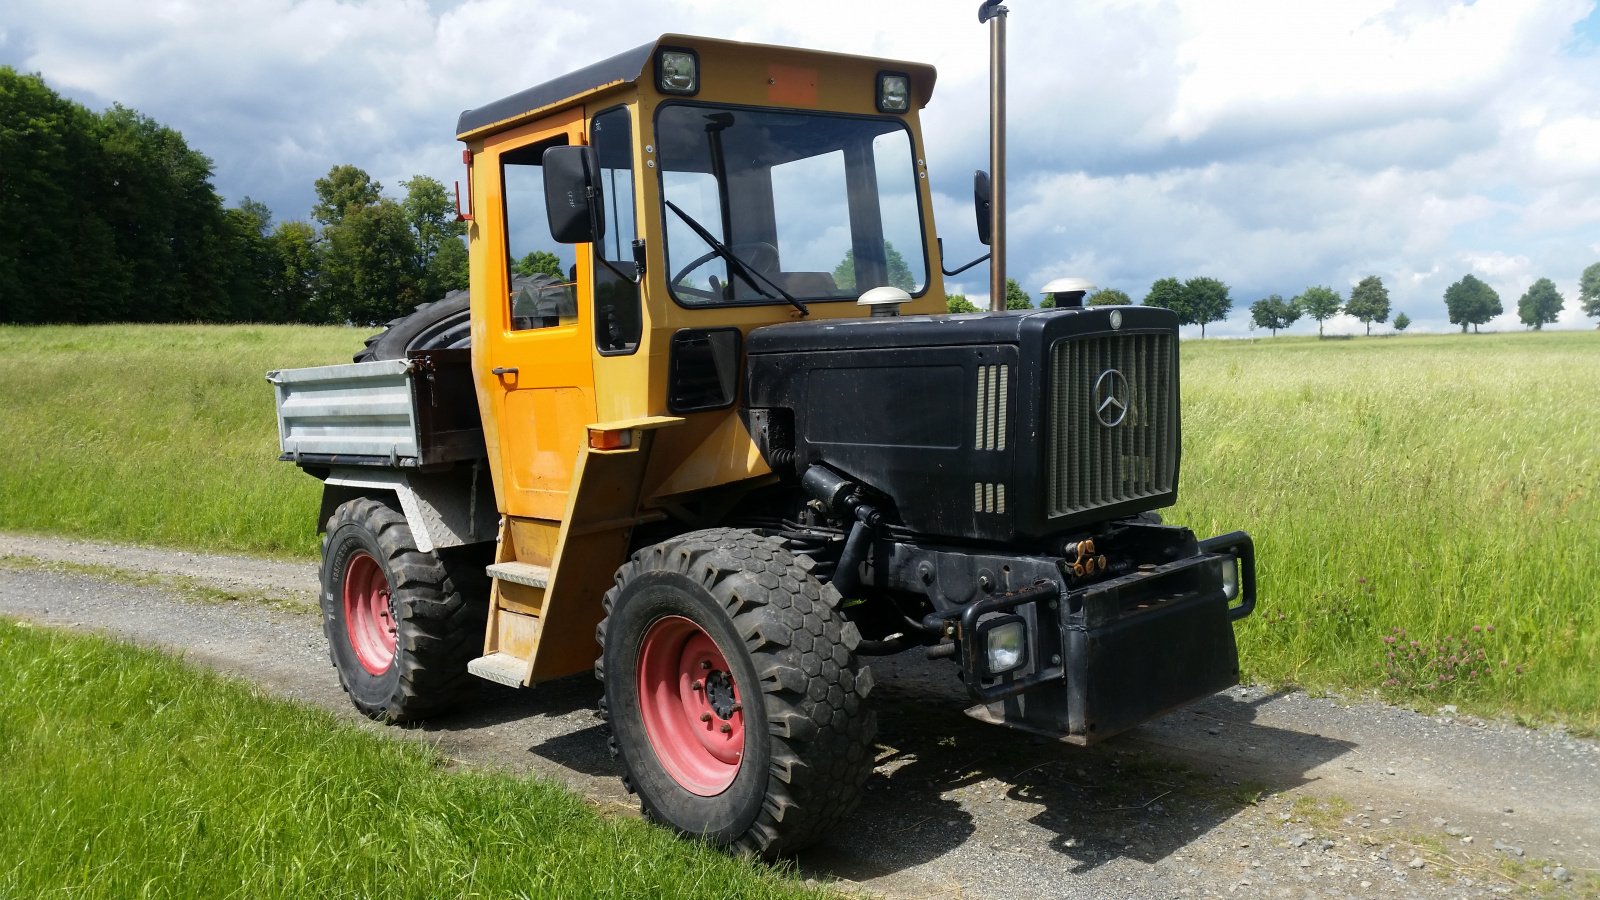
(950, 331)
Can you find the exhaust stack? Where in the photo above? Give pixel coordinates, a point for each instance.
(993, 13)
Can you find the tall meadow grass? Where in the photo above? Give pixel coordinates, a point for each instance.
(1428, 489)
(160, 434)
(1436, 498)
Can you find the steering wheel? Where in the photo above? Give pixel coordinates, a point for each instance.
(758, 255)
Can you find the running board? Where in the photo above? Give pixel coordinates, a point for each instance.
(501, 668)
(521, 573)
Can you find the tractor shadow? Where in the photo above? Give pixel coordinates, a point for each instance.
(948, 786)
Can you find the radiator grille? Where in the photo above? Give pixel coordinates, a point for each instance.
(1095, 464)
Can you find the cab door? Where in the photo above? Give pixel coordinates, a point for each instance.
(531, 347)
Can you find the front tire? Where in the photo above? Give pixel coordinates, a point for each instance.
(400, 631)
(734, 696)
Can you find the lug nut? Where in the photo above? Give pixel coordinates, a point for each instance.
(705, 664)
(698, 686)
(705, 717)
(726, 728)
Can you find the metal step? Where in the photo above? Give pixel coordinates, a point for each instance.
(501, 668)
(521, 573)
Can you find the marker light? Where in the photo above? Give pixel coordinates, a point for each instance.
(1229, 568)
(894, 92)
(677, 72)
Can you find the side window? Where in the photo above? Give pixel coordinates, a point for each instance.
(617, 320)
(541, 271)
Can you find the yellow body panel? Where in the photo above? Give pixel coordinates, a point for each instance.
(571, 508)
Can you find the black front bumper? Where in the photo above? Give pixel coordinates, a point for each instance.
(1106, 657)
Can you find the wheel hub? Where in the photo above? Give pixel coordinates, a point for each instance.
(369, 613)
(689, 702)
(719, 694)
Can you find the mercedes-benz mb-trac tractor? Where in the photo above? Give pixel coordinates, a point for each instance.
(737, 449)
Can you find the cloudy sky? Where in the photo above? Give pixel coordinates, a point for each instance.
(1274, 144)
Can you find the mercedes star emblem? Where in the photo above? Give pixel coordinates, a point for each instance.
(1111, 398)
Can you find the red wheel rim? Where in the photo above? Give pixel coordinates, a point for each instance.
(691, 706)
(368, 618)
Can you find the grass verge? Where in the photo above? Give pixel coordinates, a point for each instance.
(128, 774)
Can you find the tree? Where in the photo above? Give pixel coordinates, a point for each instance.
(1320, 303)
(1273, 313)
(1208, 301)
(844, 274)
(1540, 305)
(292, 287)
(1589, 290)
(1016, 297)
(1168, 293)
(539, 262)
(1471, 302)
(369, 270)
(958, 303)
(1110, 297)
(1402, 322)
(441, 256)
(1369, 302)
(343, 189)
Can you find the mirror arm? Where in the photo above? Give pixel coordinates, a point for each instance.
(948, 273)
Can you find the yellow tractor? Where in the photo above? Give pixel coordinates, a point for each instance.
(732, 446)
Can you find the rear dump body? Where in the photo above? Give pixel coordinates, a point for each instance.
(412, 413)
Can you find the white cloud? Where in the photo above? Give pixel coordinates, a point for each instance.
(1274, 145)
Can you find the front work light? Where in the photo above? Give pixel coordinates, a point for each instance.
(894, 92)
(1005, 643)
(677, 72)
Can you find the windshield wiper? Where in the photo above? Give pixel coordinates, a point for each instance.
(737, 265)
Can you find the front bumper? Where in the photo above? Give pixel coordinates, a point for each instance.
(1108, 656)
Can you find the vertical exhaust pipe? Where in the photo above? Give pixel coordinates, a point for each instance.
(993, 13)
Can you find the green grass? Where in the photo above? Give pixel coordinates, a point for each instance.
(127, 774)
(1430, 484)
(157, 434)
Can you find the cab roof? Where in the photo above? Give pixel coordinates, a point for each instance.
(629, 66)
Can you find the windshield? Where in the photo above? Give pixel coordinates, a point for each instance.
(824, 207)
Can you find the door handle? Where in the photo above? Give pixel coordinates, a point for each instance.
(503, 371)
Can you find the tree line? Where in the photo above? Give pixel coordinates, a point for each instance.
(112, 217)
(1201, 301)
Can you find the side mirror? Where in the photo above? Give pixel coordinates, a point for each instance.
(572, 196)
(982, 200)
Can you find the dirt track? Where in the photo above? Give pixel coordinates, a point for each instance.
(1245, 794)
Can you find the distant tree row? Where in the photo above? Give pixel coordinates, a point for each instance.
(112, 217)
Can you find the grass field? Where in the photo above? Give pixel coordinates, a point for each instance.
(1399, 489)
(1441, 490)
(167, 782)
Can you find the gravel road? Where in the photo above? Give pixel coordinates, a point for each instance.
(1247, 794)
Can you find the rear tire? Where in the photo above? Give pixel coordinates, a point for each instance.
(769, 751)
(400, 631)
(441, 325)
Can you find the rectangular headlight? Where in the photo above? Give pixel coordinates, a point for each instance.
(894, 92)
(1005, 643)
(677, 72)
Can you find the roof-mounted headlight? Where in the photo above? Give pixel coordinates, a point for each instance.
(677, 72)
(894, 92)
